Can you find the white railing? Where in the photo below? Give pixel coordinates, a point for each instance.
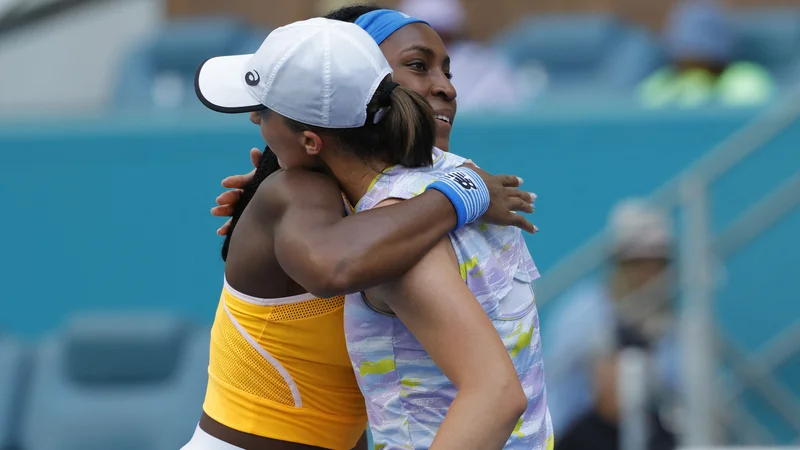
(593, 254)
(688, 191)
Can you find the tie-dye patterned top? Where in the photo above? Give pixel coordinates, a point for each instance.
(407, 396)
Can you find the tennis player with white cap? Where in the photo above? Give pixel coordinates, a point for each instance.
(279, 373)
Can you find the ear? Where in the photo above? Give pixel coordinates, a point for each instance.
(312, 143)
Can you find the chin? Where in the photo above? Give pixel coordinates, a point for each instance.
(442, 140)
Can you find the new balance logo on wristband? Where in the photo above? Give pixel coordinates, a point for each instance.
(466, 191)
(462, 180)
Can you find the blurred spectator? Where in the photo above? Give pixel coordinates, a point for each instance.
(482, 77)
(632, 308)
(704, 67)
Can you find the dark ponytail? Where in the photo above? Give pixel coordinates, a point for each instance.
(408, 126)
(267, 166)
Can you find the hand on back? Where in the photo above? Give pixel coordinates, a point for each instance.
(505, 200)
(228, 199)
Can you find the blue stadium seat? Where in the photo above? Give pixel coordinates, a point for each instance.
(770, 37)
(159, 72)
(123, 382)
(584, 51)
(13, 373)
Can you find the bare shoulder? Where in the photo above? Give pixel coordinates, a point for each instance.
(298, 187)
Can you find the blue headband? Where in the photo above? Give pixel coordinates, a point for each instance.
(382, 23)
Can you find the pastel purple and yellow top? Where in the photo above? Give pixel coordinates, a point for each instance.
(407, 396)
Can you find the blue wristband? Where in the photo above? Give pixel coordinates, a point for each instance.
(466, 191)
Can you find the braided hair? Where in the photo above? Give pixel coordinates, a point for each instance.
(266, 167)
(352, 12)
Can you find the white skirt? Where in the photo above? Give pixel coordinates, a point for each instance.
(204, 441)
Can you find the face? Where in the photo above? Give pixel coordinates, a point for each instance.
(651, 287)
(639, 272)
(294, 149)
(420, 62)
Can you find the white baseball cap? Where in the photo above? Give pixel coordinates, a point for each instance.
(318, 72)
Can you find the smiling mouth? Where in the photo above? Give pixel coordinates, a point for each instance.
(444, 119)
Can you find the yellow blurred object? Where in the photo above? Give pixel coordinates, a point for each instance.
(668, 87)
(745, 84)
(742, 84)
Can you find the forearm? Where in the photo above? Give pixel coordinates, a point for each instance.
(476, 420)
(369, 248)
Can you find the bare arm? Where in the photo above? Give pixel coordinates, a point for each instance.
(333, 255)
(435, 304)
(506, 198)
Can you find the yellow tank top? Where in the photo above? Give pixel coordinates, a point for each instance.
(279, 369)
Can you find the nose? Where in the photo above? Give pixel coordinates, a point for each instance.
(255, 118)
(443, 88)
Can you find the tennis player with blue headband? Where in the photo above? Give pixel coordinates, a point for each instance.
(322, 252)
(420, 62)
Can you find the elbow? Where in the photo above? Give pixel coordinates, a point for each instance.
(332, 274)
(503, 396)
(517, 400)
(514, 401)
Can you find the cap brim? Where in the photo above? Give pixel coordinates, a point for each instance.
(219, 85)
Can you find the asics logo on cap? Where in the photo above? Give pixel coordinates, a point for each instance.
(252, 78)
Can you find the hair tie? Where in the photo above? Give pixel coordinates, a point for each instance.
(385, 97)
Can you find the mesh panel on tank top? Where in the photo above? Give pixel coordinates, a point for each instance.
(304, 310)
(235, 362)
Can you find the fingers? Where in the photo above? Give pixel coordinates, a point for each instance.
(223, 230)
(517, 220)
(255, 157)
(235, 182)
(226, 202)
(529, 197)
(518, 204)
(222, 211)
(229, 197)
(509, 180)
(238, 181)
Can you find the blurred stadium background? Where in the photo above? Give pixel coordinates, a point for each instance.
(109, 166)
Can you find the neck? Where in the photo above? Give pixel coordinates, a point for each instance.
(353, 174)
